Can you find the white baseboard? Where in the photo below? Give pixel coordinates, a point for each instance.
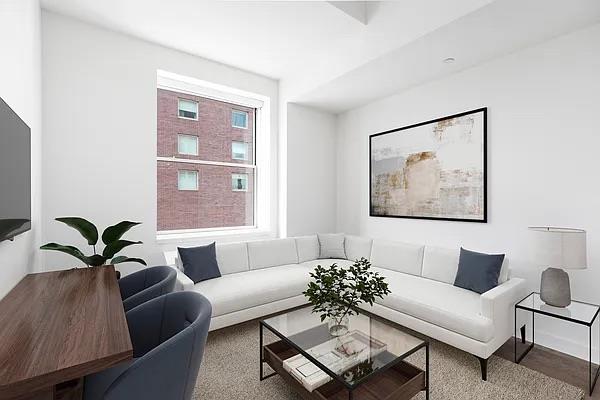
(566, 345)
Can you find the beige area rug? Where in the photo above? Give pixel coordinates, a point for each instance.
(230, 371)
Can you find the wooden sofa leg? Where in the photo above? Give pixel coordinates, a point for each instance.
(484, 363)
(523, 334)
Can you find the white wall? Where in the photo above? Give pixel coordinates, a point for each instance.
(543, 141)
(20, 87)
(311, 171)
(99, 114)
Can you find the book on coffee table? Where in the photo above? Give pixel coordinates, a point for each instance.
(338, 355)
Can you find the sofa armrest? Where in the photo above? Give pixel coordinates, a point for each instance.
(498, 304)
(183, 281)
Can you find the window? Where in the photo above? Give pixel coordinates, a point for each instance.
(210, 181)
(187, 180)
(239, 182)
(188, 109)
(239, 150)
(239, 119)
(187, 144)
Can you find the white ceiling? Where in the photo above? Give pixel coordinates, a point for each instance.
(498, 29)
(278, 39)
(324, 54)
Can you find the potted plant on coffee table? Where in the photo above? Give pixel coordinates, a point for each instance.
(336, 292)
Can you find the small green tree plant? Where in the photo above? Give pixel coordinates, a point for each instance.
(111, 237)
(336, 292)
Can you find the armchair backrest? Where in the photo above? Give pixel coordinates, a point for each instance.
(168, 335)
(146, 284)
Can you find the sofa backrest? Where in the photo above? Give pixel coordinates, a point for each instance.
(271, 253)
(357, 247)
(504, 272)
(437, 263)
(308, 248)
(440, 264)
(397, 256)
(232, 257)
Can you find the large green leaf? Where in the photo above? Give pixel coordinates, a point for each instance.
(114, 247)
(122, 259)
(115, 232)
(71, 250)
(83, 226)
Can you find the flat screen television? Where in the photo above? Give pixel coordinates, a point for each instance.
(15, 174)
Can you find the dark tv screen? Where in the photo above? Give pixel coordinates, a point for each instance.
(15, 174)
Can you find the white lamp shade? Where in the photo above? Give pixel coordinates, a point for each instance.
(559, 247)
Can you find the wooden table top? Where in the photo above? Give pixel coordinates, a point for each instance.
(58, 326)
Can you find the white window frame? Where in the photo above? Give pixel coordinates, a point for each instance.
(197, 180)
(263, 183)
(239, 174)
(239, 112)
(179, 100)
(245, 158)
(179, 135)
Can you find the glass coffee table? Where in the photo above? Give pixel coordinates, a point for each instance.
(368, 362)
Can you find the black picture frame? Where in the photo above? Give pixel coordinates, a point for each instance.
(485, 169)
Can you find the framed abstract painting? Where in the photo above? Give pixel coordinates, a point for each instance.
(432, 170)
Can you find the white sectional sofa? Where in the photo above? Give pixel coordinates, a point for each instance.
(268, 276)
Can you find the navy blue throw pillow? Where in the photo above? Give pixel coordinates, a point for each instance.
(478, 272)
(199, 263)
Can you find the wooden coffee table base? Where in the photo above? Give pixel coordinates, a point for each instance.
(400, 382)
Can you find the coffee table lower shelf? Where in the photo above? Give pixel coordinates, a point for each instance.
(400, 382)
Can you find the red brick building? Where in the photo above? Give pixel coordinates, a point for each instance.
(208, 191)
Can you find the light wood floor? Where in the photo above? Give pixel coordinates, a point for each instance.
(554, 364)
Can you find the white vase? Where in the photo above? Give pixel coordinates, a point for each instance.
(338, 326)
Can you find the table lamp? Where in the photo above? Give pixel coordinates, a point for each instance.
(558, 248)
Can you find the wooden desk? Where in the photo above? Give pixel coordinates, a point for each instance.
(60, 326)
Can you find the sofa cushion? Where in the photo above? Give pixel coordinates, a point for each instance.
(308, 248)
(236, 292)
(271, 253)
(357, 247)
(397, 256)
(438, 303)
(331, 245)
(232, 257)
(440, 264)
(478, 272)
(199, 263)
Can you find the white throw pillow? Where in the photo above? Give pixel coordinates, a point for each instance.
(331, 245)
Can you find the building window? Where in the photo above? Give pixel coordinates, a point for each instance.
(239, 182)
(239, 119)
(187, 180)
(188, 109)
(239, 150)
(187, 144)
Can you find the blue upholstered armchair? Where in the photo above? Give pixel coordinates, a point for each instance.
(168, 335)
(144, 285)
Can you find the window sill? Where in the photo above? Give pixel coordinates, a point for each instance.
(242, 234)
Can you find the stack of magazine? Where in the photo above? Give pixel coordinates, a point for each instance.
(338, 354)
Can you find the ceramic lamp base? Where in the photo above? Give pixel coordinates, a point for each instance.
(555, 288)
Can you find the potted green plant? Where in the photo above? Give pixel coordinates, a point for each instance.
(337, 292)
(111, 237)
